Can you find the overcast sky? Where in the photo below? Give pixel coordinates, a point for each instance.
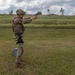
(32, 6)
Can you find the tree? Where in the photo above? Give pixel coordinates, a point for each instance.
(62, 11)
(48, 11)
(11, 12)
(39, 13)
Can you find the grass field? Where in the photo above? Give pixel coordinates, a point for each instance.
(49, 46)
(46, 52)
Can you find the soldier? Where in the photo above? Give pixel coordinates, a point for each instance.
(18, 30)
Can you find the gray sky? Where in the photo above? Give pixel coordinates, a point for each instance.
(32, 6)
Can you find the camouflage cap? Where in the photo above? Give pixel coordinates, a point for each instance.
(20, 12)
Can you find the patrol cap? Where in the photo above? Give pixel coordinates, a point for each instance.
(20, 12)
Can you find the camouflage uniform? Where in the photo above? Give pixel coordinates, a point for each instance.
(18, 30)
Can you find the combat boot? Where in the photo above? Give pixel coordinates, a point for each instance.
(18, 65)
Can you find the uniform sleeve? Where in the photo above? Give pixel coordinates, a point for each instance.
(27, 20)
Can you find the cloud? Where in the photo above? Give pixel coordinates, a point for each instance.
(32, 6)
(20, 4)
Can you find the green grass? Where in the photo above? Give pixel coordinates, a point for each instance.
(46, 52)
(49, 47)
(43, 20)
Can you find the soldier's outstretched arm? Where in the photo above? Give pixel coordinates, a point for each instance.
(28, 20)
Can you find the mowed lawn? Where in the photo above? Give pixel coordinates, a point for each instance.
(46, 52)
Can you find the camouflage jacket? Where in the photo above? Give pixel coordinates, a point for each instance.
(18, 26)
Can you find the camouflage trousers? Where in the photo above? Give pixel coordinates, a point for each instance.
(19, 42)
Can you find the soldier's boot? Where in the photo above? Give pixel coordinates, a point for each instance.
(19, 65)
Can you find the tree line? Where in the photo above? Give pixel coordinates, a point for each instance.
(61, 12)
(48, 12)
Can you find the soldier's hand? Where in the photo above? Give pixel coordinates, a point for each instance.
(34, 17)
